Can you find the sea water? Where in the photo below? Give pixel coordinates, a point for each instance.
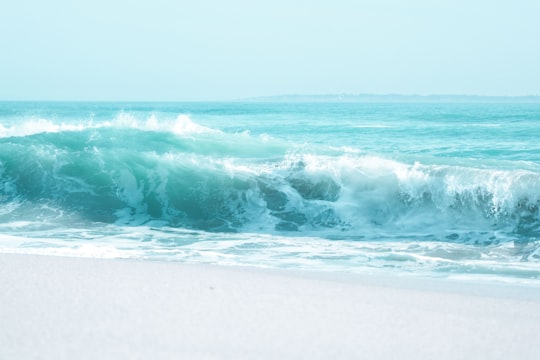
(432, 189)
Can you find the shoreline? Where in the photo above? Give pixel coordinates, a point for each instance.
(85, 308)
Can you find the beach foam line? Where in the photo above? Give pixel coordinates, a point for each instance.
(65, 308)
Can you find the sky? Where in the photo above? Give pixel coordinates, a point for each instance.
(176, 50)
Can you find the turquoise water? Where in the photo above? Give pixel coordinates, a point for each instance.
(437, 189)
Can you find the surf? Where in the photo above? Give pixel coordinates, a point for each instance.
(272, 185)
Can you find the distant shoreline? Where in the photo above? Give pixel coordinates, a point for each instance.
(395, 98)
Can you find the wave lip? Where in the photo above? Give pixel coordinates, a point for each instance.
(182, 125)
(37, 126)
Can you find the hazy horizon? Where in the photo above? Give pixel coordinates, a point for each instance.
(166, 50)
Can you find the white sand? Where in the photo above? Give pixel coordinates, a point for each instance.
(73, 308)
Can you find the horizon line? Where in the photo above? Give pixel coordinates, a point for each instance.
(283, 97)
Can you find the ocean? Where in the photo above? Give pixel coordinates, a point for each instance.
(411, 188)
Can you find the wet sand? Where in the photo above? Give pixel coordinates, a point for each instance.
(79, 308)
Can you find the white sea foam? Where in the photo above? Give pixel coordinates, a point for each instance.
(36, 126)
(181, 125)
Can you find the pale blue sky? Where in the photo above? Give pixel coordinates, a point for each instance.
(220, 50)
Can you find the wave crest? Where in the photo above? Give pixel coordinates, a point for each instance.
(181, 125)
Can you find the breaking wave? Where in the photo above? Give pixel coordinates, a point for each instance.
(181, 174)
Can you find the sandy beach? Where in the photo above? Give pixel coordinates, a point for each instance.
(77, 308)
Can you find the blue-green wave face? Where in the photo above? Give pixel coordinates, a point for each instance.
(182, 174)
(446, 188)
